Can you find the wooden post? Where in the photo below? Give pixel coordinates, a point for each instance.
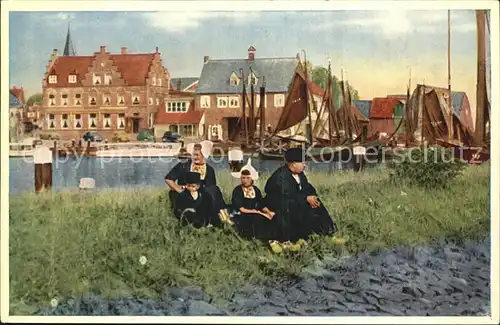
(42, 158)
(450, 98)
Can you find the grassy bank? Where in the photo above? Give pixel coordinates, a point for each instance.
(66, 244)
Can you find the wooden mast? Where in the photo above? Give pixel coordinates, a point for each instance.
(479, 134)
(309, 135)
(407, 111)
(262, 113)
(243, 106)
(450, 98)
(329, 91)
(251, 122)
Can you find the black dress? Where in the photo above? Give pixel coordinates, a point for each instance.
(295, 218)
(208, 186)
(196, 212)
(251, 225)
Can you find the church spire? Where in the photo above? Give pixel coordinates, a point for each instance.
(69, 50)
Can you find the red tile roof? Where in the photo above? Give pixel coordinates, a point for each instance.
(316, 89)
(190, 117)
(383, 107)
(134, 68)
(19, 93)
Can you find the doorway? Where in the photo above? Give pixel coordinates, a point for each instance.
(135, 125)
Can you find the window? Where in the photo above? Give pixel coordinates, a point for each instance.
(235, 80)
(279, 100)
(51, 123)
(159, 81)
(150, 101)
(107, 100)
(257, 101)
(234, 102)
(154, 81)
(78, 99)
(92, 100)
(108, 78)
(78, 121)
(107, 121)
(96, 78)
(64, 99)
(222, 102)
(151, 117)
(64, 121)
(92, 121)
(205, 101)
(157, 101)
(173, 107)
(121, 121)
(121, 100)
(252, 79)
(72, 79)
(136, 100)
(187, 130)
(52, 100)
(52, 79)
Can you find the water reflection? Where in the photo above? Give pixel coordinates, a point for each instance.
(122, 172)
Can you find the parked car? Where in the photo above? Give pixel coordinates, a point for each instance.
(146, 135)
(120, 136)
(92, 137)
(170, 136)
(49, 136)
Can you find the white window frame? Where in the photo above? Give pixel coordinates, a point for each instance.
(220, 103)
(49, 119)
(76, 120)
(153, 80)
(52, 101)
(94, 119)
(158, 81)
(150, 101)
(72, 79)
(250, 79)
(64, 119)
(205, 101)
(191, 126)
(119, 99)
(108, 78)
(234, 80)
(95, 78)
(90, 100)
(151, 119)
(234, 101)
(106, 119)
(53, 79)
(257, 101)
(78, 99)
(157, 101)
(104, 99)
(177, 107)
(138, 100)
(121, 118)
(64, 101)
(279, 98)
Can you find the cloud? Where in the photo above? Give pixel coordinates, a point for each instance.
(177, 22)
(397, 23)
(65, 16)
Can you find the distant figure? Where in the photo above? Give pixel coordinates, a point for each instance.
(176, 178)
(299, 212)
(251, 216)
(192, 206)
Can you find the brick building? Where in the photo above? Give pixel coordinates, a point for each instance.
(103, 92)
(219, 90)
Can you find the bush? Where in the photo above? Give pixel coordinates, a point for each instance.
(429, 167)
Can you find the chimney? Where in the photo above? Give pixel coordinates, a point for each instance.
(53, 56)
(206, 58)
(157, 50)
(251, 53)
(124, 50)
(103, 49)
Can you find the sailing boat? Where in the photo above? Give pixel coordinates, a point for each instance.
(473, 147)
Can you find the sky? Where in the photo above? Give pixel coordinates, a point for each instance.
(376, 49)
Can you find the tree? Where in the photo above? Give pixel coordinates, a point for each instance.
(319, 76)
(35, 99)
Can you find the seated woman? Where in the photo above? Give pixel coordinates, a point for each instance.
(299, 211)
(252, 218)
(176, 180)
(193, 206)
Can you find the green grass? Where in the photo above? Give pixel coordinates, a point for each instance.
(65, 244)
